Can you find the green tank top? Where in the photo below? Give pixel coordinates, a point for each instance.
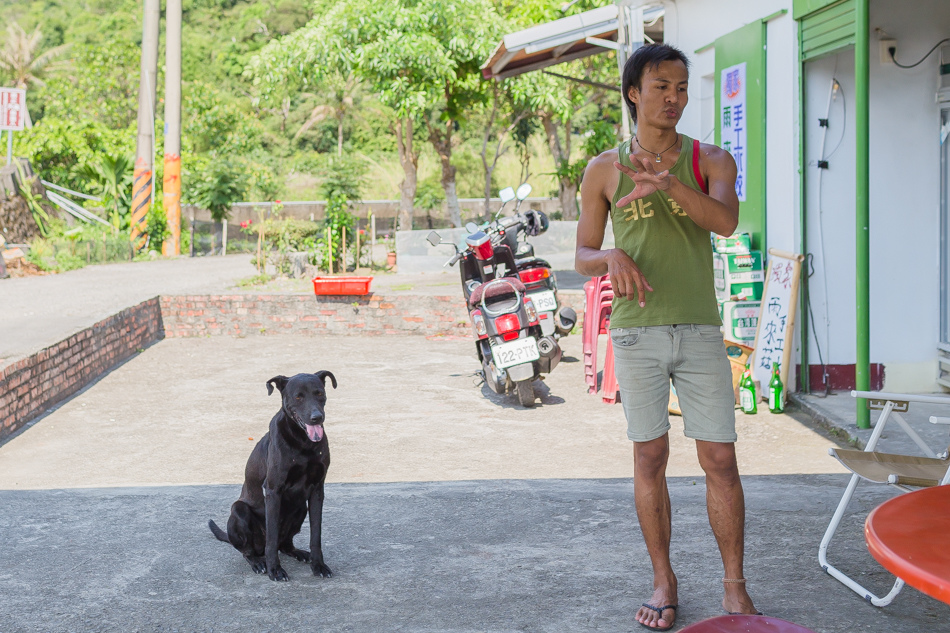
(674, 253)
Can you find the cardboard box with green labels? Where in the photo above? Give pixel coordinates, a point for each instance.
(738, 276)
(739, 320)
(738, 243)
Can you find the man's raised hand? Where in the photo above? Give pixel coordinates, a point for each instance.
(647, 181)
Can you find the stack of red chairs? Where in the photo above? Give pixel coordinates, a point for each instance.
(598, 295)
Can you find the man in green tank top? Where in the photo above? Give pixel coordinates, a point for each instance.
(664, 193)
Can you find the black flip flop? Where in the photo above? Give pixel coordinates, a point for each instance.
(660, 611)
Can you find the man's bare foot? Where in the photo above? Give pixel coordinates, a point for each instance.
(737, 600)
(653, 618)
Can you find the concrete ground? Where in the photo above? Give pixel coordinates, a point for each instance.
(449, 508)
(838, 413)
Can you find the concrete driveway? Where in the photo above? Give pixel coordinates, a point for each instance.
(449, 508)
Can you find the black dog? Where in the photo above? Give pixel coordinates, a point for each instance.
(283, 479)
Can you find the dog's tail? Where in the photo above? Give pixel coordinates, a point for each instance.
(219, 534)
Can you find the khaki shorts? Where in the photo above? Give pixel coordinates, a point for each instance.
(694, 358)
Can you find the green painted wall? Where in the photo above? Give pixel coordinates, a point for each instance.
(747, 44)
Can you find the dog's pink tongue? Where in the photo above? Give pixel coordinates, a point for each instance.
(315, 432)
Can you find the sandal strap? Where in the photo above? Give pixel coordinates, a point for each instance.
(741, 581)
(660, 610)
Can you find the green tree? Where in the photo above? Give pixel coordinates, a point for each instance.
(504, 119)
(217, 189)
(214, 124)
(20, 60)
(426, 60)
(62, 150)
(111, 178)
(420, 57)
(557, 103)
(97, 86)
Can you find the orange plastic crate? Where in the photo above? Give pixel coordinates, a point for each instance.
(341, 285)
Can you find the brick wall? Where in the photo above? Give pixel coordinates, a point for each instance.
(32, 385)
(244, 315)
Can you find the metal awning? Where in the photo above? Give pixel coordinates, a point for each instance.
(563, 40)
(553, 43)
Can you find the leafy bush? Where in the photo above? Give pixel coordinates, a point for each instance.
(157, 226)
(280, 238)
(219, 188)
(70, 248)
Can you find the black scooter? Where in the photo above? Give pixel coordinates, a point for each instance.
(511, 342)
(536, 273)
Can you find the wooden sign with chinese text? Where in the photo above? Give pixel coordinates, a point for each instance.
(775, 330)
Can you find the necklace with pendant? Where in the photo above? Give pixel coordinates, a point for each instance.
(658, 155)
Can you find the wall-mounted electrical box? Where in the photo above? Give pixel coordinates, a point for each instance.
(886, 45)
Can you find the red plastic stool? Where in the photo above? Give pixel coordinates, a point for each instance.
(745, 624)
(599, 325)
(610, 387)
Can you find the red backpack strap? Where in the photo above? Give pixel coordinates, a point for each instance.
(696, 172)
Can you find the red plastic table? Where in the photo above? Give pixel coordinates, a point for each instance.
(745, 624)
(910, 536)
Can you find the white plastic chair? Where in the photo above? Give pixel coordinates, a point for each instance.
(904, 472)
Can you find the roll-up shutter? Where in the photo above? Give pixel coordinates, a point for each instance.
(828, 30)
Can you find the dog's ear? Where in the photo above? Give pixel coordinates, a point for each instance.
(279, 381)
(322, 375)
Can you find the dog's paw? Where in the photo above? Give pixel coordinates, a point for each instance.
(319, 569)
(278, 574)
(257, 564)
(301, 554)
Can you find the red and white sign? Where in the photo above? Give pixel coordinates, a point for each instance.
(12, 108)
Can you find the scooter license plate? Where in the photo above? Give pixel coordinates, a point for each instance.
(523, 350)
(544, 301)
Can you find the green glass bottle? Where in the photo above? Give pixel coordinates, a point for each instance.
(747, 399)
(776, 400)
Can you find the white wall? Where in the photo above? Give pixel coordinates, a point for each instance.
(693, 24)
(830, 205)
(905, 219)
(905, 241)
(904, 200)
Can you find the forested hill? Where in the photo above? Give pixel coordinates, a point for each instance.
(298, 133)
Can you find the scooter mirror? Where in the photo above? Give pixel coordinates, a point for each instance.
(471, 227)
(507, 195)
(433, 238)
(523, 191)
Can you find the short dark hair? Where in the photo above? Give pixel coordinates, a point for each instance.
(650, 56)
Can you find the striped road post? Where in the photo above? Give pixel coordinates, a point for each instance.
(172, 197)
(141, 201)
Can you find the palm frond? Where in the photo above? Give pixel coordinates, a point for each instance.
(319, 113)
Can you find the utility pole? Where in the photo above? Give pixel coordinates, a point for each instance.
(145, 143)
(172, 179)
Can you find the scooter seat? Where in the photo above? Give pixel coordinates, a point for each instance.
(493, 288)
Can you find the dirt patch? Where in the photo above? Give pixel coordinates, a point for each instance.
(22, 268)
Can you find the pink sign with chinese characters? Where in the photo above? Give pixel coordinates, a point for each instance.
(12, 109)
